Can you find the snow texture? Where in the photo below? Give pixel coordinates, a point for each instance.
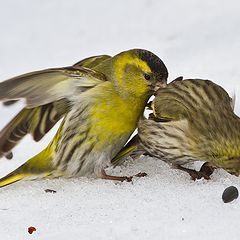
(196, 39)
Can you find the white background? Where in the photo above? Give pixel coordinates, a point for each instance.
(196, 39)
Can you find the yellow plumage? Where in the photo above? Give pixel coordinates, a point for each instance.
(101, 107)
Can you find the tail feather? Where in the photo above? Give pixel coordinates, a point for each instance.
(12, 178)
(39, 166)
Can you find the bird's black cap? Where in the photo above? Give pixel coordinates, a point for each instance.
(154, 62)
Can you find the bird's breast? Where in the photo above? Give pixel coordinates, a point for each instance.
(166, 141)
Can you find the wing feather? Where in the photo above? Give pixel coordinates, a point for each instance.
(48, 94)
(42, 87)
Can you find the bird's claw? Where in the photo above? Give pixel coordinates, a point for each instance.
(140, 174)
(205, 171)
(121, 178)
(198, 175)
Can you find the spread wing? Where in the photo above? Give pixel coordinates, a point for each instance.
(92, 62)
(43, 87)
(48, 96)
(56, 75)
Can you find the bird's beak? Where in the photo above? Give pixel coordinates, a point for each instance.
(160, 84)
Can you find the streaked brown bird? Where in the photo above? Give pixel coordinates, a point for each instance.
(192, 120)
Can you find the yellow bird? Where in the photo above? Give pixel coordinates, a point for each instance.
(101, 101)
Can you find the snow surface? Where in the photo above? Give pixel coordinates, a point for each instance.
(196, 39)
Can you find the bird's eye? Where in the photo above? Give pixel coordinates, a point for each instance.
(147, 76)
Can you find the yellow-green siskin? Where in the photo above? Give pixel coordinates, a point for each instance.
(101, 104)
(193, 120)
(39, 120)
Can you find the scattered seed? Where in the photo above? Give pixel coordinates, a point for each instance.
(31, 230)
(230, 194)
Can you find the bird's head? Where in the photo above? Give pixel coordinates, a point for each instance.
(137, 72)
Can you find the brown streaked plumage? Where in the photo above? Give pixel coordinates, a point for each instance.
(193, 120)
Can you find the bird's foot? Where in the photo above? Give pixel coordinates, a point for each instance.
(205, 171)
(122, 178)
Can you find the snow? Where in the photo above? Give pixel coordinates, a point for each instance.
(196, 39)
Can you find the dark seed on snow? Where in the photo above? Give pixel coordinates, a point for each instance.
(230, 194)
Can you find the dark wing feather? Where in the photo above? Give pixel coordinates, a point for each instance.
(37, 121)
(42, 87)
(48, 97)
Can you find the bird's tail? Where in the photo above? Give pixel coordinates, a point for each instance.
(37, 167)
(12, 178)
